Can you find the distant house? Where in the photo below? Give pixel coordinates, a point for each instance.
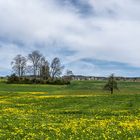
(89, 78)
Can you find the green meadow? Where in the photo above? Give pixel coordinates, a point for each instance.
(80, 111)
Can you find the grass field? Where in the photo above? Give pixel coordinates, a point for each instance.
(80, 111)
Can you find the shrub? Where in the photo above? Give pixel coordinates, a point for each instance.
(13, 79)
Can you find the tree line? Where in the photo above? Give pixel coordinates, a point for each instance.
(35, 68)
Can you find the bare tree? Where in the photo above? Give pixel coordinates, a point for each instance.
(35, 58)
(44, 69)
(19, 65)
(56, 68)
(69, 73)
(29, 70)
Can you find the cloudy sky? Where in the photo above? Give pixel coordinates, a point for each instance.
(92, 37)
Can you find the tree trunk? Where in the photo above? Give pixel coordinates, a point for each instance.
(111, 90)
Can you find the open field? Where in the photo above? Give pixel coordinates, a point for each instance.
(81, 111)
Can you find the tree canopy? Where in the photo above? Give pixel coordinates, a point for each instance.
(111, 84)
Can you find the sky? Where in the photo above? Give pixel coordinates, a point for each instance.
(91, 37)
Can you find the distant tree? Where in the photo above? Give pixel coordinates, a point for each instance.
(68, 75)
(35, 58)
(111, 85)
(44, 69)
(19, 65)
(56, 68)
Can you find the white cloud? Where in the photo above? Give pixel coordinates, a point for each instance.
(110, 33)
